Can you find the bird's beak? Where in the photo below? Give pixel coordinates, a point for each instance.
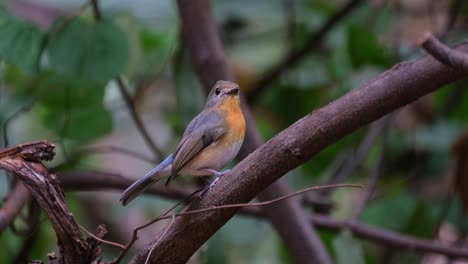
(233, 91)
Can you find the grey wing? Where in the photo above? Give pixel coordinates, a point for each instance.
(203, 130)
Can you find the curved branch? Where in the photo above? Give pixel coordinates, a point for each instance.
(444, 54)
(295, 145)
(24, 161)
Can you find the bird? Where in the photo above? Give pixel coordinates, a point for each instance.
(210, 141)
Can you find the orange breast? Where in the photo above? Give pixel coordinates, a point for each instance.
(235, 121)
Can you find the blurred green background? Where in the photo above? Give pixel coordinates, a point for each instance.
(57, 83)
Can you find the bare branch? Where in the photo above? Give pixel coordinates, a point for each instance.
(444, 54)
(375, 174)
(137, 120)
(23, 161)
(117, 150)
(389, 238)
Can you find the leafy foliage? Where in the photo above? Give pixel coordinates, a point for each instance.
(94, 51)
(21, 42)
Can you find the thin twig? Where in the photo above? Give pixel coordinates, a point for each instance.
(227, 206)
(165, 216)
(295, 56)
(118, 150)
(160, 238)
(115, 244)
(128, 100)
(354, 160)
(25, 108)
(137, 120)
(136, 229)
(66, 21)
(444, 54)
(375, 174)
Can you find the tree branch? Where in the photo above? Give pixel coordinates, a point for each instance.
(295, 145)
(137, 120)
(289, 219)
(444, 54)
(375, 173)
(295, 56)
(389, 238)
(352, 163)
(24, 161)
(100, 180)
(89, 180)
(13, 204)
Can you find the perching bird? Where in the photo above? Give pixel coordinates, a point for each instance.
(211, 140)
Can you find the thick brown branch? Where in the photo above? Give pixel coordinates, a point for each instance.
(23, 161)
(295, 145)
(289, 219)
(444, 54)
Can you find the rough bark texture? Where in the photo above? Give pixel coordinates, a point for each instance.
(24, 161)
(394, 88)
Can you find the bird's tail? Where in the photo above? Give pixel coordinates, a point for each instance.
(140, 185)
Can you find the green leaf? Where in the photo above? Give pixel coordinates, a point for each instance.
(54, 90)
(96, 51)
(364, 48)
(348, 250)
(79, 123)
(72, 107)
(21, 42)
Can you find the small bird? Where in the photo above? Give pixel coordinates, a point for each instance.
(211, 140)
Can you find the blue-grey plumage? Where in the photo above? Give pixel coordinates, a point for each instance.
(211, 140)
(151, 177)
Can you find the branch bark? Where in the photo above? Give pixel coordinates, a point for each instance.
(444, 54)
(101, 180)
(404, 83)
(24, 161)
(288, 218)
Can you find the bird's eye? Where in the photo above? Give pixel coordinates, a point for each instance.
(217, 91)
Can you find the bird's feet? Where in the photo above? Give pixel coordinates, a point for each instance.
(218, 174)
